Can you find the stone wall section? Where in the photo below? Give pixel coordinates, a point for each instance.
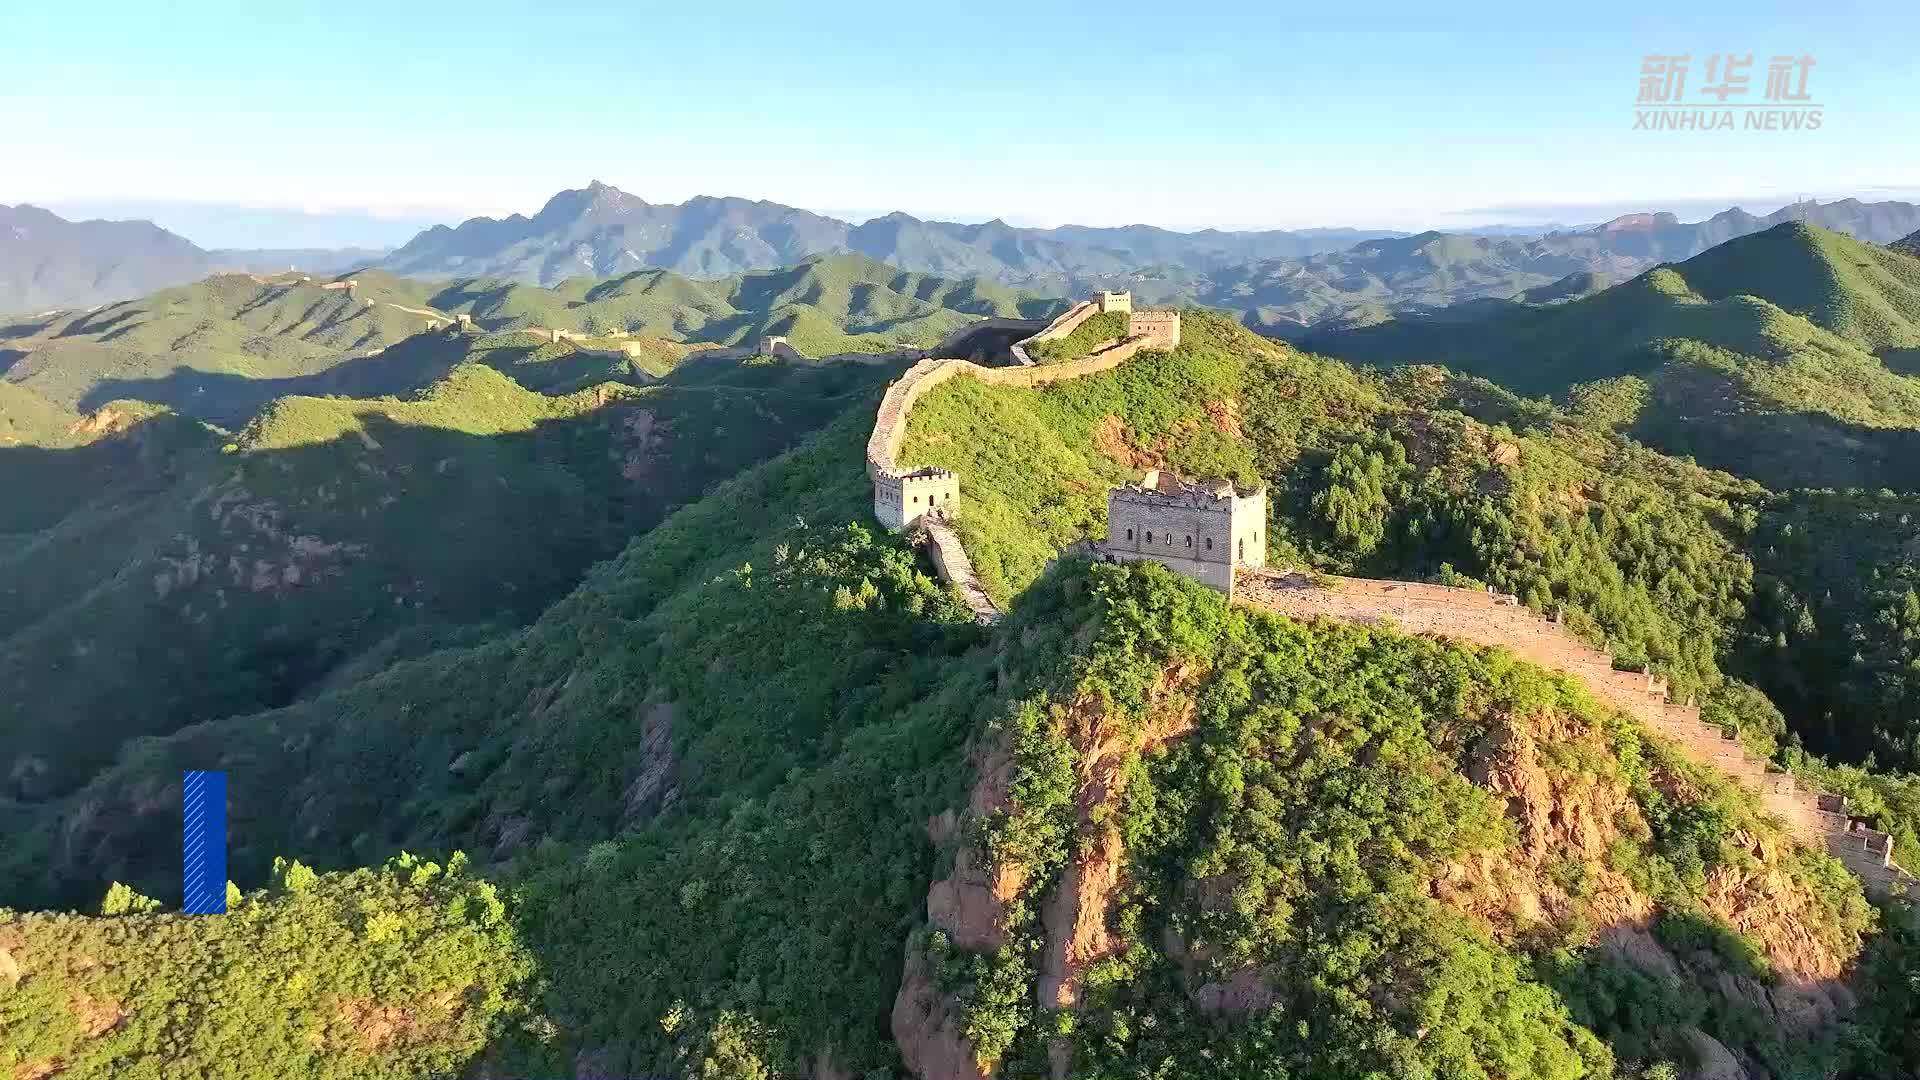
(1498, 619)
(902, 497)
(950, 559)
(1066, 322)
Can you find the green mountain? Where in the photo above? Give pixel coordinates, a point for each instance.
(26, 418)
(333, 536)
(220, 349)
(1785, 356)
(191, 347)
(713, 788)
(824, 305)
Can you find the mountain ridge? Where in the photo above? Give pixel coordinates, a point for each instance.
(49, 263)
(1282, 282)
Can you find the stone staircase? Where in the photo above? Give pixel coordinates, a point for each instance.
(950, 559)
(1490, 618)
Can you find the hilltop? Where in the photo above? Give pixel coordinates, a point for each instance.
(195, 347)
(822, 305)
(1784, 356)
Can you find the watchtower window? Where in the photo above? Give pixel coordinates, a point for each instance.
(1243, 548)
(1209, 543)
(1189, 541)
(1129, 534)
(1149, 537)
(1169, 540)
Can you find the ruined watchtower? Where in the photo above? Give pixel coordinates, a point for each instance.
(899, 499)
(1203, 531)
(1113, 301)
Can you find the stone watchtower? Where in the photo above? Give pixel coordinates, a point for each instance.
(901, 499)
(1160, 328)
(1204, 531)
(1113, 301)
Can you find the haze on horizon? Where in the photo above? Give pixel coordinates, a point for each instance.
(313, 129)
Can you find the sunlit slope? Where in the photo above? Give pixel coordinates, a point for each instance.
(1784, 355)
(827, 304)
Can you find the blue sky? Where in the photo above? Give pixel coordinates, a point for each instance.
(1243, 114)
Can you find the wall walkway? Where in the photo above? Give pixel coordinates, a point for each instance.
(1499, 619)
(950, 558)
(890, 430)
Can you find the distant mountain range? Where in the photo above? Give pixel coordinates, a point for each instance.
(1281, 282)
(599, 230)
(1418, 275)
(1286, 283)
(48, 262)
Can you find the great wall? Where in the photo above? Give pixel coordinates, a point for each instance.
(925, 500)
(1500, 620)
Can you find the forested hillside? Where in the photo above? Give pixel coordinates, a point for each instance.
(741, 753)
(165, 574)
(1786, 356)
(217, 349)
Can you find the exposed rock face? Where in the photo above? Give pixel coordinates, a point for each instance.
(1076, 915)
(641, 436)
(1716, 1062)
(925, 1029)
(1248, 990)
(652, 789)
(970, 904)
(1567, 818)
(1560, 816)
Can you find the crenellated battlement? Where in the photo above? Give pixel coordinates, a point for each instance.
(1202, 531)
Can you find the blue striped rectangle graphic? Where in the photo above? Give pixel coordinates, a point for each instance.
(203, 843)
